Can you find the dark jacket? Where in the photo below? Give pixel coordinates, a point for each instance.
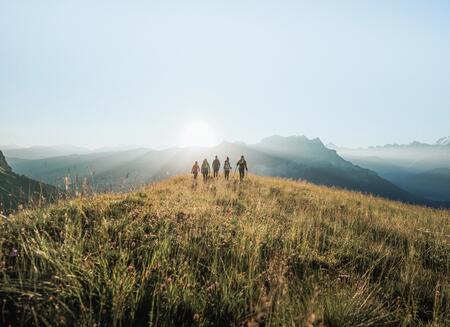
(216, 164)
(242, 164)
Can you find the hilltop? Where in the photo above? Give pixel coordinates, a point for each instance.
(267, 251)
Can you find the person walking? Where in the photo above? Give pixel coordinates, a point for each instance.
(205, 170)
(227, 168)
(242, 165)
(216, 166)
(195, 169)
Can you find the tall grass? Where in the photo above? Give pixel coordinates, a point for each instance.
(263, 252)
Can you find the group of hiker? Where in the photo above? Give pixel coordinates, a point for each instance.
(205, 168)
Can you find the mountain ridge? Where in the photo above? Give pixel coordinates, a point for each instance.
(413, 167)
(295, 157)
(443, 141)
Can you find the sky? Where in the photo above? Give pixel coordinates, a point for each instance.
(104, 73)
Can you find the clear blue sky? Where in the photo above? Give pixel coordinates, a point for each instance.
(98, 73)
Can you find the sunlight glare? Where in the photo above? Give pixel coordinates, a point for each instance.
(198, 133)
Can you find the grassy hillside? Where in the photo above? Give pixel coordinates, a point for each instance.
(267, 251)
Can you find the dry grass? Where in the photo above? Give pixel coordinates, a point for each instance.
(266, 252)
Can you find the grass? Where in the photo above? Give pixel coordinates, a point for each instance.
(265, 252)
(19, 191)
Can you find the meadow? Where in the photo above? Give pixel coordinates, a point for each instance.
(265, 252)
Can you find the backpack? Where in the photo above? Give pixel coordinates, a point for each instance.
(205, 166)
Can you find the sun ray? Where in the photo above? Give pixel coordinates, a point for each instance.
(198, 133)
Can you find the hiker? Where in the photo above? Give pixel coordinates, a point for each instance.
(227, 168)
(242, 164)
(195, 169)
(205, 170)
(216, 166)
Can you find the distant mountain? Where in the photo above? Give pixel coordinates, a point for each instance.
(432, 184)
(332, 146)
(9, 146)
(414, 157)
(118, 148)
(443, 141)
(419, 168)
(293, 157)
(16, 190)
(41, 152)
(324, 166)
(298, 148)
(101, 166)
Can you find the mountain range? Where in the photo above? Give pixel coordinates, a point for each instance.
(295, 157)
(42, 151)
(420, 168)
(443, 141)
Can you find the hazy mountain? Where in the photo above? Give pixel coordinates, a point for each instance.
(419, 168)
(431, 184)
(293, 157)
(41, 152)
(332, 146)
(118, 148)
(324, 166)
(301, 149)
(414, 157)
(443, 141)
(9, 146)
(93, 165)
(18, 190)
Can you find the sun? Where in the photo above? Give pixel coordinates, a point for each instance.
(198, 133)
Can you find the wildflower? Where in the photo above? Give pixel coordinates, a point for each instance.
(156, 266)
(212, 287)
(312, 320)
(61, 320)
(147, 274)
